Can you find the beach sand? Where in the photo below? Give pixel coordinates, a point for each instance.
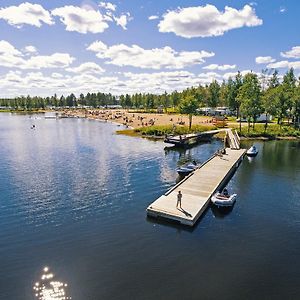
(136, 120)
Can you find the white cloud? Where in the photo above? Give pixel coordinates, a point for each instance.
(219, 67)
(56, 75)
(157, 58)
(279, 64)
(282, 9)
(97, 46)
(108, 6)
(264, 59)
(56, 60)
(88, 68)
(36, 83)
(13, 58)
(294, 53)
(26, 13)
(284, 64)
(81, 20)
(153, 18)
(9, 55)
(30, 49)
(205, 21)
(7, 49)
(159, 82)
(87, 19)
(122, 20)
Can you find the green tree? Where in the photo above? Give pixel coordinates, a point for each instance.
(62, 101)
(270, 103)
(296, 112)
(237, 85)
(213, 94)
(189, 106)
(175, 98)
(289, 88)
(165, 100)
(122, 101)
(128, 102)
(250, 98)
(274, 80)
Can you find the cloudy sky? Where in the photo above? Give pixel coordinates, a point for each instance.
(64, 46)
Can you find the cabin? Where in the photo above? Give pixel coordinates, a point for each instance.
(262, 118)
(219, 111)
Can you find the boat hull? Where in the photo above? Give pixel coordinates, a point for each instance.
(252, 151)
(251, 154)
(185, 170)
(223, 202)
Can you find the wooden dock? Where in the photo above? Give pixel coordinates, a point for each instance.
(191, 138)
(198, 187)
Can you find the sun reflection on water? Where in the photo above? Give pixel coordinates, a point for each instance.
(50, 289)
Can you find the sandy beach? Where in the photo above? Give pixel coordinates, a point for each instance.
(136, 119)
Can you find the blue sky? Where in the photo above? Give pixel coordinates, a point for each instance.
(62, 46)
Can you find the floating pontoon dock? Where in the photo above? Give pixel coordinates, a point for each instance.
(198, 187)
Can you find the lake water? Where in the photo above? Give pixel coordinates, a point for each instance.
(73, 196)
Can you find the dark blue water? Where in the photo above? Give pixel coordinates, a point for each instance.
(73, 196)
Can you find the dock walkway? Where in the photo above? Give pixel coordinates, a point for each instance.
(198, 187)
(233, 140)
(190, 138)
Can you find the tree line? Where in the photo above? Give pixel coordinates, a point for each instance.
(248, 96)
(30, 103)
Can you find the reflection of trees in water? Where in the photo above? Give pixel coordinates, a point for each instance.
(275, 158)
(50, 289)
(280, 156)
(182, 155)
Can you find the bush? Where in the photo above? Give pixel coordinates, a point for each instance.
(161, 130)
(273, 131)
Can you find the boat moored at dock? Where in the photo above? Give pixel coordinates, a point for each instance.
(223, 199)
(187, 168)
(252, 151)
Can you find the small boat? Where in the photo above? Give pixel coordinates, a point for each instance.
(223, 199)
(187, 169)
(252, 151)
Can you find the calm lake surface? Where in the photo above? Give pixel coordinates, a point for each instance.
(73, 196)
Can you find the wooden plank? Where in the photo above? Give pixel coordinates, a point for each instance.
(197, 189)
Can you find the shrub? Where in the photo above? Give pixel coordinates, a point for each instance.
(161, 130)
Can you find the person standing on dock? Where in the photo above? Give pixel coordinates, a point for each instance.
(179, 197)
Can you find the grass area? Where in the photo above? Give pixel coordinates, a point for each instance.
(231, 119)
(273, 131)
(161, 130)
(128, 132)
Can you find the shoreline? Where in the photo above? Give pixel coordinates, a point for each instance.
(132, 133)
(133, 122)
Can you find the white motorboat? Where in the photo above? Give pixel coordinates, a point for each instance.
(221, 200)
(252, 151)
(187, 169)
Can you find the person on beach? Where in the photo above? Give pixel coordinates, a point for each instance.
(179, 197)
